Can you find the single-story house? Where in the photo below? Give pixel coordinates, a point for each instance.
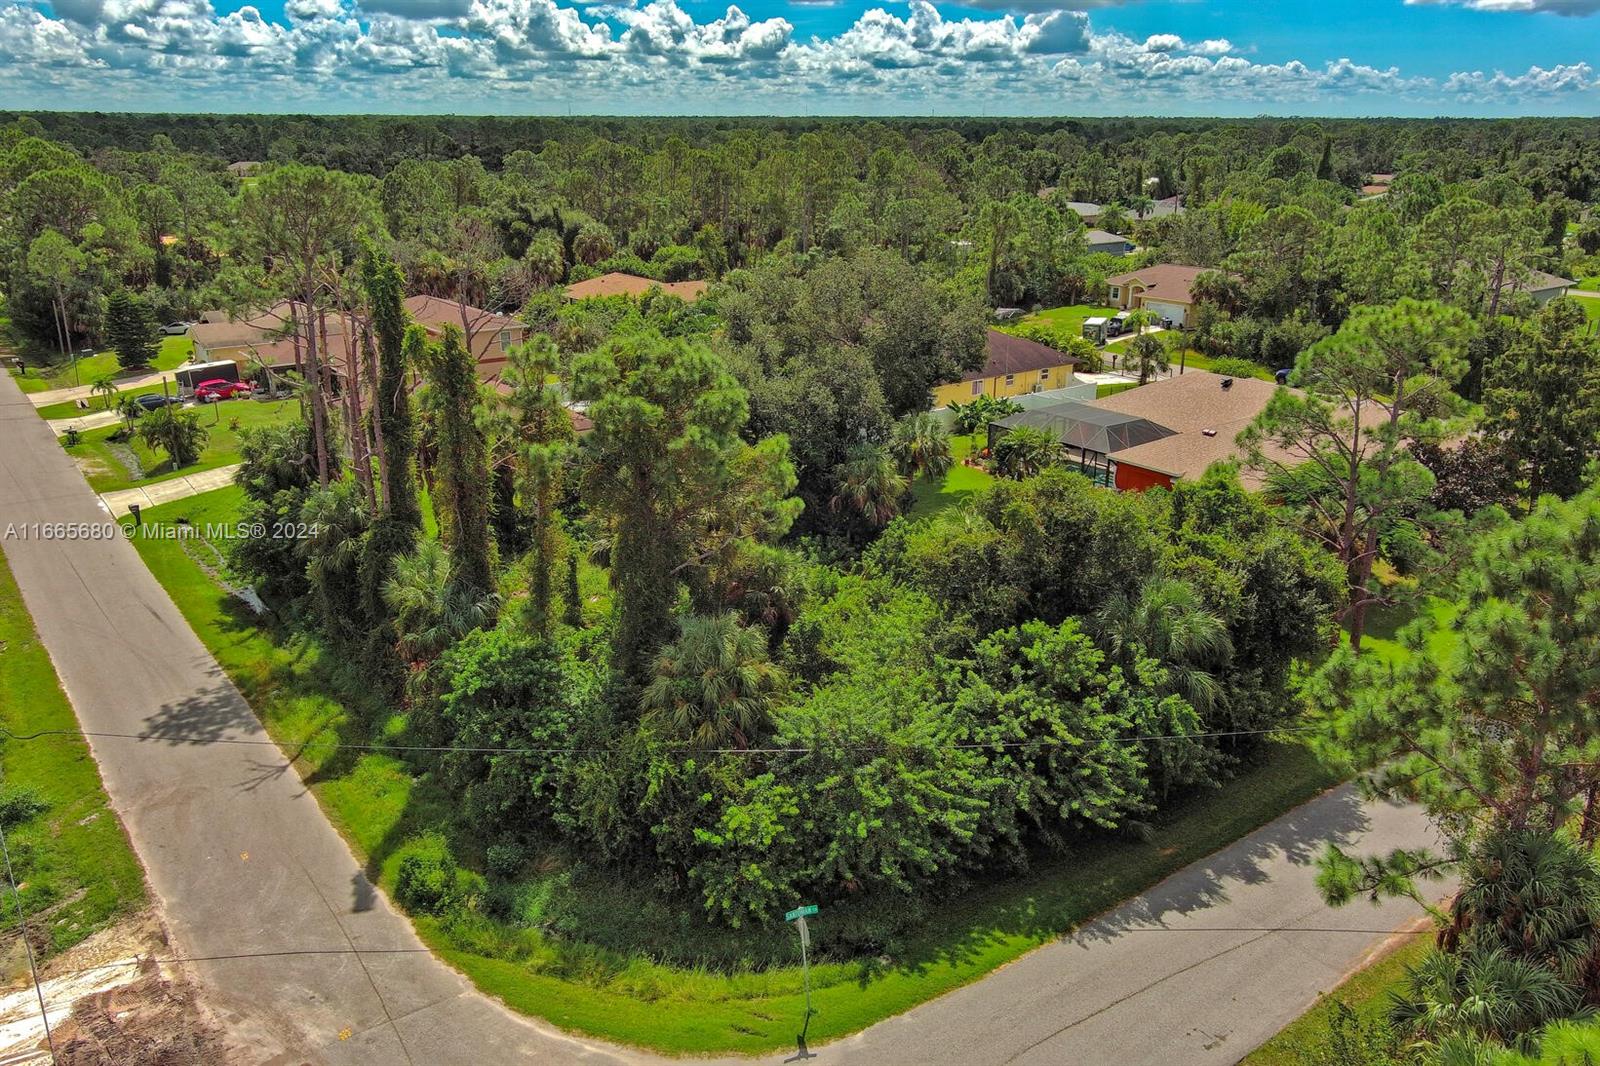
(632, 285)
(1014, 367)
(269, 335)
(1099, 240)
(244, 168)
(1541, 286)
(1155, 434)
(1090, 213)
(1163, 288)
(1163, 208)
(493, 335)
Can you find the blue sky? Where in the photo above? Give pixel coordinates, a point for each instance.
(1227, 57)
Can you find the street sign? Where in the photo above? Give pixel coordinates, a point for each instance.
(798, 916)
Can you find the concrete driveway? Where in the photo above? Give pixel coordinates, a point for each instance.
(304, 961)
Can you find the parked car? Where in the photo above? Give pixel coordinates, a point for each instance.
(176, 329)
(219, 389)
(152, 400)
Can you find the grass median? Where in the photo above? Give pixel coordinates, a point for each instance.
(383, 807)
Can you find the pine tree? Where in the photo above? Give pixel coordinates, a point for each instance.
(131, 330)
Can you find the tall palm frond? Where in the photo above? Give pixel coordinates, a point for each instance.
(714, 685)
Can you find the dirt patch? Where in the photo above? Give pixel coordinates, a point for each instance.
(153, 1019)
(111, 1001)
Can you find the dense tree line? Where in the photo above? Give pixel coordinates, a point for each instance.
(706, 642)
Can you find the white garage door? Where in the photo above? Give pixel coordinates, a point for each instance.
(1171, 312)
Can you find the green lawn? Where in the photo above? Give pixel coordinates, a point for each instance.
(174, 352)
(929, 497)
(383, 808)
(1111, 388)
(1366, 992)
(1192, 360)
(72, 859)
(70, 408)
(1069, 318)
(106, 471)
(1590, 283)
(1591, 306)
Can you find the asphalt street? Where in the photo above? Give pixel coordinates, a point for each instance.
(305, 962)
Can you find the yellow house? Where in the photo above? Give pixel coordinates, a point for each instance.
(1015, 367)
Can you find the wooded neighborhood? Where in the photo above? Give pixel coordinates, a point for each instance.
(652, 526)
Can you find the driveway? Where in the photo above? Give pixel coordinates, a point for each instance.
(117, 501)
(304, 961)
(86, 390)
(84, 422)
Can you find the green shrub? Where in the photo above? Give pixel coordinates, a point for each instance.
(18, 805)
(430, 882)
(1237, 368)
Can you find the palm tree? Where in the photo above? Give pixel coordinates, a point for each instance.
(714, 686)
(869, 485)
(128, 407)
(1140, 320)
(1025, 451)
(921, 446)
(1167, 621)
(1484, 994)
(106, 388)
(431, 609)
(1149, 354)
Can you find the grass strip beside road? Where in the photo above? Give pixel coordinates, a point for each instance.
(1365, 992)
(78, 873)
(382, 808)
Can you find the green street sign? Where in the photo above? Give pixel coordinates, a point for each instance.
(800, 912)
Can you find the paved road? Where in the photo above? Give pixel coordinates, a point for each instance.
(1199, 971)
(1195, 972)
(236, 849)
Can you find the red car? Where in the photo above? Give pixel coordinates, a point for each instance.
(219, 389)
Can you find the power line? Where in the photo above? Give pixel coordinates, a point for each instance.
(201, 739)
(22, 927)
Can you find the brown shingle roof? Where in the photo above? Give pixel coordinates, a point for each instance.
(1190, 404)
(619, 284)
(1164, 281)
(435, 313)
(1015, 355)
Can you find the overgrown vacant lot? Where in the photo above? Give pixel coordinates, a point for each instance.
(73, 864)
(611, 959)
(106, 462)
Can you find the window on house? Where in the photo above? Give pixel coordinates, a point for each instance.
(977, 388)
(1044, 375)
(1116, 292)
(505, 340)
(1011, 379)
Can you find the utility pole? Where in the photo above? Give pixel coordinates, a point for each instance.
(798, 916)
